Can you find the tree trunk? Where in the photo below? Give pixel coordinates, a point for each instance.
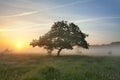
(58, 53)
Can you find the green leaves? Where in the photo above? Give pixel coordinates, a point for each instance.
(62, 35)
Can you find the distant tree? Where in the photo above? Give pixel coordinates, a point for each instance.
(62, 35)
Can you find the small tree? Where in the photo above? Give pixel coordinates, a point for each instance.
(62, 35)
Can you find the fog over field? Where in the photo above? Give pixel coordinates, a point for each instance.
(98, 50)
(94, 50)
(104, 50)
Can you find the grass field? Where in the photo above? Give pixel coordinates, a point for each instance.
(36, 67)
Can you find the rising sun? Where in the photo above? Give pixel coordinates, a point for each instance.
(19, 45)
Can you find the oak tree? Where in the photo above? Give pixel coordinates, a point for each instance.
(63, 35)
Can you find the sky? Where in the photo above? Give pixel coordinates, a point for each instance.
(24, 20)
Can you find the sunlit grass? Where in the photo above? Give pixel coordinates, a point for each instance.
(36, 67)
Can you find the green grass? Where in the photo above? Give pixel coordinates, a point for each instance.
(36, 67)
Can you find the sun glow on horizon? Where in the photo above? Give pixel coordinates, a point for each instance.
(19, 45)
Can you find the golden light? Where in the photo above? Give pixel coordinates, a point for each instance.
(19, 45)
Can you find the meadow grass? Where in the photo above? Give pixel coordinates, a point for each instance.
(74, 67)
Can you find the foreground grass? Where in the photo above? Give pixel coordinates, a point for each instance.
(36, 67)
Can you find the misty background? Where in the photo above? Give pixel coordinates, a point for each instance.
(112, 49)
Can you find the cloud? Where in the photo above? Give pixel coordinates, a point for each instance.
(29, 27)
(25, 13)
(69, 4)
(35, 26)
(22, 14)
(51, 8)
(94, 19)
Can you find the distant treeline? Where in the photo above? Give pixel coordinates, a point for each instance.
(115, 43)
(111, 44)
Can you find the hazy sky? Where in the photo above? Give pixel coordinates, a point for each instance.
(24, 20)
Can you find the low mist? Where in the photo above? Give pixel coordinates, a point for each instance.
(95, 51)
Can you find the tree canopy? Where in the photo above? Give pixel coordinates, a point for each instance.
(63, 35)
